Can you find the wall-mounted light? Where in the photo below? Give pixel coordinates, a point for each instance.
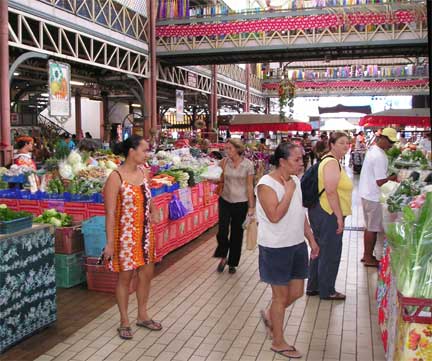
(45, 95)
(136, 105)
(16, 73)
(77, 83)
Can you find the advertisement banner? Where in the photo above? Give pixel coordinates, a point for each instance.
(59, 76)
(179, 105)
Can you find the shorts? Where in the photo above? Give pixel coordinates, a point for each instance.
(278, 266)
(372, 214)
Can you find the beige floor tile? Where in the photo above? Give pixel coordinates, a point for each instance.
(184, 354)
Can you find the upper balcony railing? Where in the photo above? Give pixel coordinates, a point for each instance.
(170, 9)
(128, 17)
(366, 72)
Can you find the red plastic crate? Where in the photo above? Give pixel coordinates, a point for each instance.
(102, 280)
(69, 240)
(214, 210)
(53, 204)
(161, 203)
(11, 203)
(95, 209)
(411, 308)
(177, 230)
(31, 206)
(78, 210)
(197, 194)
(161, 234)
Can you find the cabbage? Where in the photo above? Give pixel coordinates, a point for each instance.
(66, 170)
(51, 212)
(111, 165)
(3, 206)
(55, 222)
(77, 167)
(74, 158)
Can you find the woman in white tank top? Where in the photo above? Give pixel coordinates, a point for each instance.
(282, 228)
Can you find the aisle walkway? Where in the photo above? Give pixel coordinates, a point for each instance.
(208, 316)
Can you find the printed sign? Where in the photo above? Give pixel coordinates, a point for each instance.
(59, 89)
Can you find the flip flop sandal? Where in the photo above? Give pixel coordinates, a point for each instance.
(125, 333)
(150, 325)
(267, 324)
(283, 352)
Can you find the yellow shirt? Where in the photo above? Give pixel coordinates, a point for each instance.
(344, 190)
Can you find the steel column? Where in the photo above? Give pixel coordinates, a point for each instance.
(153, 64)
(78, 122)
(213, 98)
(5, 134)
(246, 107)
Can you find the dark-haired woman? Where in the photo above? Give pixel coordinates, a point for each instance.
(24, 145)
(235, 202)
(282, 227)
(327, 219)
(130, 244)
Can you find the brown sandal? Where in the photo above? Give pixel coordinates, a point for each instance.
(125, 333)
(150, 325)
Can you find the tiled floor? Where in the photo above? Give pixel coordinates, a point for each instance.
(208, 316)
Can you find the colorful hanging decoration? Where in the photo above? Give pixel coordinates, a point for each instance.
(286, 98)
(288, 23)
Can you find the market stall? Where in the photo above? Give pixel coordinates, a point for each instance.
(70, 198)
(418, 117)
(265, 123)
(27, 279)
(404, 293)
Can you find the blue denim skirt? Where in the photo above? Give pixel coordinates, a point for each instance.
(278, 266)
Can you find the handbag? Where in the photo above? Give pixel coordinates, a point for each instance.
(220, 186)
(251, 235)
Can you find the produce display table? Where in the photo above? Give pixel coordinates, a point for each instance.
(200, 201)
(403, 340)
(27, 283)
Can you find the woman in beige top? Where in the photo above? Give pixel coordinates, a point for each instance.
(235, 202)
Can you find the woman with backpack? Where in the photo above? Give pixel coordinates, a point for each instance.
(282, 228)
(327, 219)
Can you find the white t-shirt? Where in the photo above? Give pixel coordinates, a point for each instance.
(289, 231)
(425, 144)
(374, 168)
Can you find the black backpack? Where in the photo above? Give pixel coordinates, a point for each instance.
(309, 184)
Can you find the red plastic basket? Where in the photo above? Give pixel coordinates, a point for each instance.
(102, 280)
(197, 195)
(52, 204)
(161, 203)
(95, 209)
(161, 234)
(415, 310)
(11, 203)
(69, 240)
(78, 210)
(31, 206)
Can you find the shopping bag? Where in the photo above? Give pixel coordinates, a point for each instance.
(251, 235)
(176, 209)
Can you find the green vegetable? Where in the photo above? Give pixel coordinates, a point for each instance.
(7, 214)
(411, 242)
(393, 152)
(55, 186)
(57, 219)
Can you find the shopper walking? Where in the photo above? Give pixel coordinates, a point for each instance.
(130, 245)
(235, 202)
(373, 175)
(327, 219)
(282, 227)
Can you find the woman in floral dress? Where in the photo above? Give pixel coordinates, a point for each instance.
(130, 244)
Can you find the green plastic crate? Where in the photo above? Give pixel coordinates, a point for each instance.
(15, 225)
(70, 270)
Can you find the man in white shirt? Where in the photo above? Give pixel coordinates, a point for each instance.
(425, 143)
(373, 175)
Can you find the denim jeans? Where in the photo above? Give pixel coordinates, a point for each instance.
(324, 269)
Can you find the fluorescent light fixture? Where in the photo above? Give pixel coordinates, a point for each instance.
(46, 95)
(77, 83)
(16, 73)
(136, 105)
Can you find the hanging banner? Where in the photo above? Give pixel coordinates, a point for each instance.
(179, 105)
(59, 76)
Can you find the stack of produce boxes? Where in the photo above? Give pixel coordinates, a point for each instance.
(99, 277)
(69, 247)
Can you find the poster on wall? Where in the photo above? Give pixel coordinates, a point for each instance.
(179, 105)
(59, 76)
